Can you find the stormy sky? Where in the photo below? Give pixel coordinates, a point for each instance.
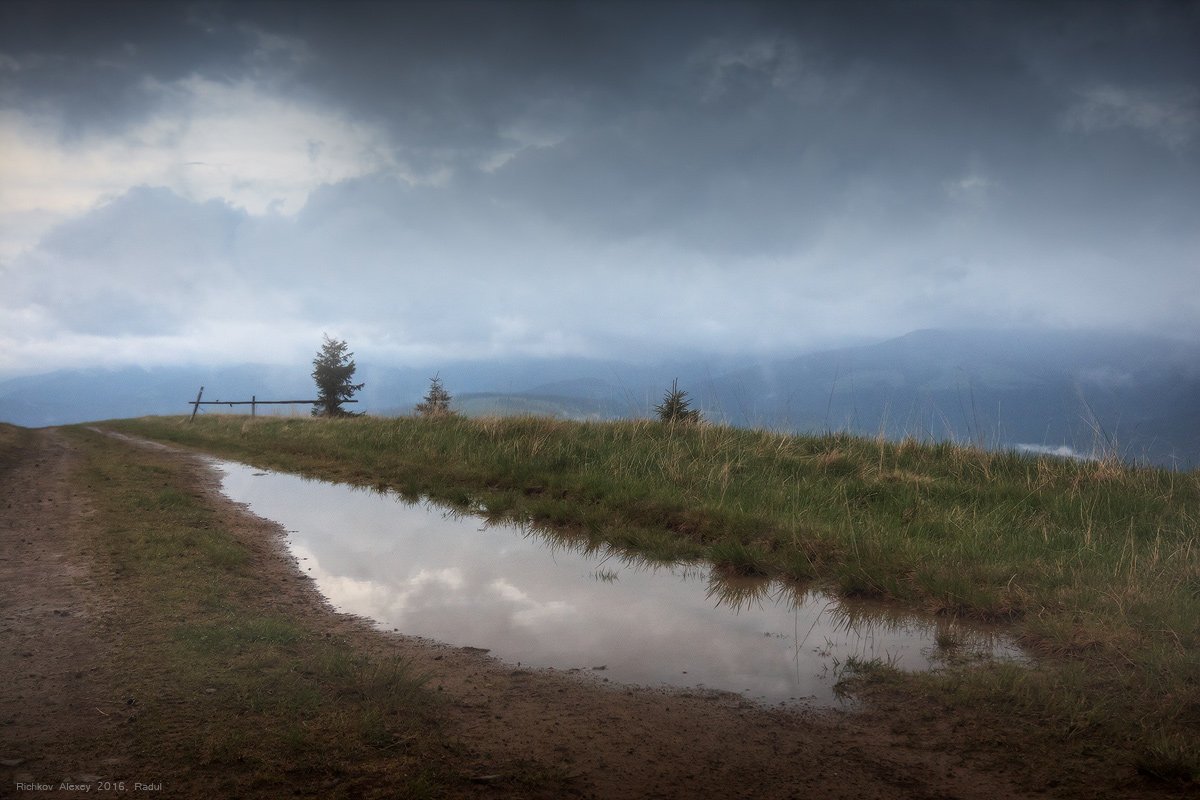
(223, 182)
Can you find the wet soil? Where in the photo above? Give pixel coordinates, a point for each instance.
(62, 707)
(60, 701)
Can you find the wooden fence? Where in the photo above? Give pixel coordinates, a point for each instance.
(253, 402)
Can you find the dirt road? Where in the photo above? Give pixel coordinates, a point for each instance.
(62, 711)
(60, 704)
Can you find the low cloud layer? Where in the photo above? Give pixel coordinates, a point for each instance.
(224, 182)
(1061, 451)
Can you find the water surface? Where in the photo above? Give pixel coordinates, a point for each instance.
(533, 599)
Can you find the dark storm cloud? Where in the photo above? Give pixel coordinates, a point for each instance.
(764, 171)
(480, 62)
(90, 63)
(893, 84)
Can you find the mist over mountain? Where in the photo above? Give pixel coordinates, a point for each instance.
(1092, 393)
(1070, 393)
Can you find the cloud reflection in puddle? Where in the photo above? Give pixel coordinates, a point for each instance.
(531, 599)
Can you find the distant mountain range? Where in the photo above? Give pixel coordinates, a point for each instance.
(1080, 393)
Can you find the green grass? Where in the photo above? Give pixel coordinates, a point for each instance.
(229, 695)
(1095, 563)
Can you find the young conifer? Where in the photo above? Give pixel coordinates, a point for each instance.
(676, 407)
(437, 400)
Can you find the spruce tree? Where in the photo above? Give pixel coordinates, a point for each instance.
(676, 407)
(332, 370)
(437, 400)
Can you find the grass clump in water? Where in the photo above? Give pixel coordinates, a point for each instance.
(739, 558)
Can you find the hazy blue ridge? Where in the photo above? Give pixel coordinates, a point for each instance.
(1084, 393)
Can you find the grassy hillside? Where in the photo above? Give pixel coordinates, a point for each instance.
(1095, 563)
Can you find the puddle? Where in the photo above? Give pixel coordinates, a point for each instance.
(533, 600)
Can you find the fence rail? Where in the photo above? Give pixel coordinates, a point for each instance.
(253, 402)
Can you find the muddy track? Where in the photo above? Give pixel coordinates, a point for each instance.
(61, 708)
(61, 714)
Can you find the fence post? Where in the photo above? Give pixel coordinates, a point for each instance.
(196, 405)
(253, 406)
